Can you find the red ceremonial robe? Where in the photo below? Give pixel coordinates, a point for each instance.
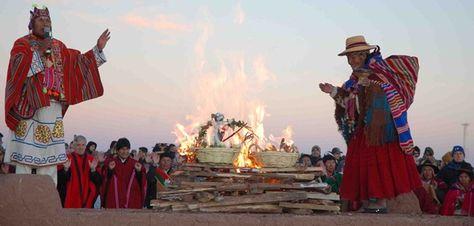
(459, 197)
(82, 185)
(23, 95)
(123, 186)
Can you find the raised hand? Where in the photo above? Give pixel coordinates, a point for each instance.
(148, 158)
(101, 157)
(138, 166)
(93, 164)
(326, 87)
(155, 157)
(103, 39)
(111, 165)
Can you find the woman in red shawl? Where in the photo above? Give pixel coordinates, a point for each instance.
(371, 113)
(460, 198)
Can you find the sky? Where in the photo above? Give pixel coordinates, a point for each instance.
(170, 61)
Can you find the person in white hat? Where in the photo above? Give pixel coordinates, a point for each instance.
(378, 164)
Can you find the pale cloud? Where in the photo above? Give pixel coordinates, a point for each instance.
(91, 18)
(160, 23)
(239, 14)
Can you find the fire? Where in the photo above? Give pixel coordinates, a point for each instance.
(230, 90)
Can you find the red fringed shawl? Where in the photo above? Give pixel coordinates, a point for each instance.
(23, 95)
(81, 191)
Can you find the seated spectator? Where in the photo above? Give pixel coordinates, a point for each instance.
(340, 160)
(79, 177)
(124, 180)
(159, 175)
(416, 154)
(428, 155)
(332, 178)
(435, 187)
(460, 198)
(445, 160)
(305, 160)
(449, 173)
(315, 154)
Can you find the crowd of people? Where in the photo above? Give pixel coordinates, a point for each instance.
(125, 178)
(448, 187)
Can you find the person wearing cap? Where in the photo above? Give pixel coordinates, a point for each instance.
(44, 79)
(460, 198)
(428, 155)
(371, 114)
(449, 173)
(124, 180)
(432, 192)
(340, 160)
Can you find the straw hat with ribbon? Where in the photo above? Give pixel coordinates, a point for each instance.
(356, 44)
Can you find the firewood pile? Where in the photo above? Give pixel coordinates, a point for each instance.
(198, 187)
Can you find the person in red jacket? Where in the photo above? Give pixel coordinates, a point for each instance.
(81, 177)
(460, 198)
(124, 180)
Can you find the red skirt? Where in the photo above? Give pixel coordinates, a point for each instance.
(381, 172)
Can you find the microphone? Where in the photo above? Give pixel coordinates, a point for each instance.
(47, 33)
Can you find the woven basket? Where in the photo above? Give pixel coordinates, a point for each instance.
(276, 159)
(217, 155)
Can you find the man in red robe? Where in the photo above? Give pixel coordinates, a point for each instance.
(45, 77)
(124, 180)
(82, 179)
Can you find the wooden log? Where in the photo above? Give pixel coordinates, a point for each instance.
(317, 195)
(262, 208)
(202, 165)
(309, 206)
(253, 199)
(162, 204)
(290, 170)
(172, 192)
(296, 176)
(205, 184)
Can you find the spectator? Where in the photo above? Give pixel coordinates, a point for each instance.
(112, 152)
(142, 153)
(332, 178)
(416, 153)
(449, 173)
(435, 187)
(428, 154)
(91, 147)
(340, 160)
(159, 175)
(460, 198)
(446, 159)
(315, 154)
(124, 180)
(305, 160)
(80, 177)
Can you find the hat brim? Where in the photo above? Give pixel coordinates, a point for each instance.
(435, 168)
(357, 49)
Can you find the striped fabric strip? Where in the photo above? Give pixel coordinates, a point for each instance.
(397, 76)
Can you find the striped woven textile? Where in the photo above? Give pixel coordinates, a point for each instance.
(397, 75)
